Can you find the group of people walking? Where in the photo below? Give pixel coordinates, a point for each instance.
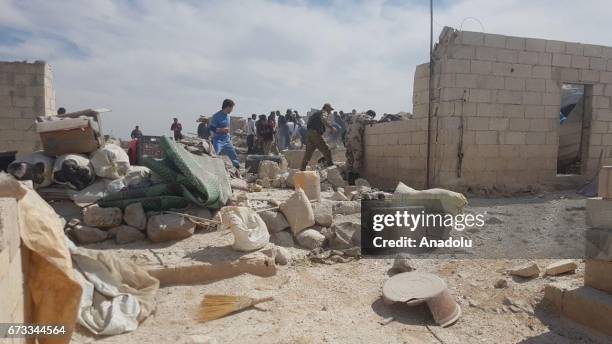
(275, 132)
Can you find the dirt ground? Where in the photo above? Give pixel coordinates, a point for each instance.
(340, 303)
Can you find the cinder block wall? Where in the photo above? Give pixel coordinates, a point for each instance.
(12, 300)
(26, 91)
(496, 102)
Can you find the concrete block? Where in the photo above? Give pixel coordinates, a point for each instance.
(535, 138)
(599, 213)
(528, 57)
(515, 43)
(499, 124)
(544, 72)
(518, 124)
(589, 75)
(538, 85)
(598, 275)
(513, 138)
(514, 111)
(462, 52)
(584, 305)
(496, 41)
(9, 226)
(555, 46)
(580, 62)
(507, 55)
(486, 137)
(608, 67)
(598, 244)
(570, 74)
(606, 77)
(477, 123)
(535, 44)
(531, 98)
(515, 84)
(545, 59)
(561, 60)
(490, 110)
(561, 267)
(593, 50)
(605, 182)
(492, 82)
(486, 53)
(471, 38)
(479, 67)
(597, 63)
(479, 96)
(534, 111)
(457, 66)
(601, 102)
(551, 99)
(507, 97)
(573, 48)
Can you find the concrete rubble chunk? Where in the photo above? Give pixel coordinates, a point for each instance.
(95, 216)
(88, 235)
(362, 182)
(323, 213)
(268, 169)
(135, 216)
(345, 234)
(284, 239)
(334, 177)
(599, 244)
(125, 234)
(168, 227)
(527, 270)
(310, 239)
(561, 267)
(401, 263)
(339, 195)
(282, 256)
(275, 220)
(346, 208)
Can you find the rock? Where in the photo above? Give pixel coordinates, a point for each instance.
(282, 256)
(345, 235)
(126, 234)
(401, 263)
(88, 235)
(528, 270)
(135, 216)
(334, 177)
(169, 227)
(310, 239)
(323, 213)
(347, 208)
(284, 239)
(501, 283)
(361, 182)
(279, 182)
(264, 182)
(275, 220)
(339, 195)
(94, 216)
(561, 267)
(268, 169)
(325, 186)
(73, 223)
(203, 213)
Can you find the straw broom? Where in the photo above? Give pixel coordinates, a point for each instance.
(217, 306)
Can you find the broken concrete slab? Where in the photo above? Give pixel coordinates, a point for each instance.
(585, 305)
(323, 213)
(126, 234)
(88, 235)
(561, 267)
(346, 207)
(134, 215)
(527, 270)
(334, 177)
(401, 263)
(599, 213)
(168, 227)
(94, 216)
(310, 239)
(598, 275)
(275, 220)
(345, 234)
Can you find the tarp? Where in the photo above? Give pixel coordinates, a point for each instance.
(117, 294)
(53, 290)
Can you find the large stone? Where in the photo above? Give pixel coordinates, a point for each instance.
(88, 235)
(401, 263)
(203, 213)
(605, 182)
(323, 213)
(283, 238)
(169, 227)
(334, 177)
(345, 235)
(347, 207)
(528, 270)
(135, 216)
(362, 182)
(599, 213)
(268, 169)
(561, 267)
(95, 216)
(126, 234)
(282, 256)
(587, 306)
(275, 220)
(599, 244)
(310, 239)
(598, 275)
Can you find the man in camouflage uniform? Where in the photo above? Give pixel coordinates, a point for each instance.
(315, 128)
(354, 143)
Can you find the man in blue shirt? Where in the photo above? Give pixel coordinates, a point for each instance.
(220, 128)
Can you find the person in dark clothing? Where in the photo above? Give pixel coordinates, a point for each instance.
(260, 130)
(270, 135)
(283, 132)
(316, 126)
(136, 133)
(176, 129)
(61, 111)
(203, 132)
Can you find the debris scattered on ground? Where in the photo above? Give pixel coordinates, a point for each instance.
(561, 267)
(401, 263)
(527, 270)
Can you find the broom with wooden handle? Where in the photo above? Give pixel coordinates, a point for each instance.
(217, 306)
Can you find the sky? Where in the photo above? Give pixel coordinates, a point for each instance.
(151, 60)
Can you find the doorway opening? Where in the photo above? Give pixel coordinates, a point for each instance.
(574, 127)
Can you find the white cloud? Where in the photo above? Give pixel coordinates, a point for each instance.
(151, 60)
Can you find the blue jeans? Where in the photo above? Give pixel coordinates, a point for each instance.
(224, 146)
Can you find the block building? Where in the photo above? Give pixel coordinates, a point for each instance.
(26, 91)
(497, 108)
